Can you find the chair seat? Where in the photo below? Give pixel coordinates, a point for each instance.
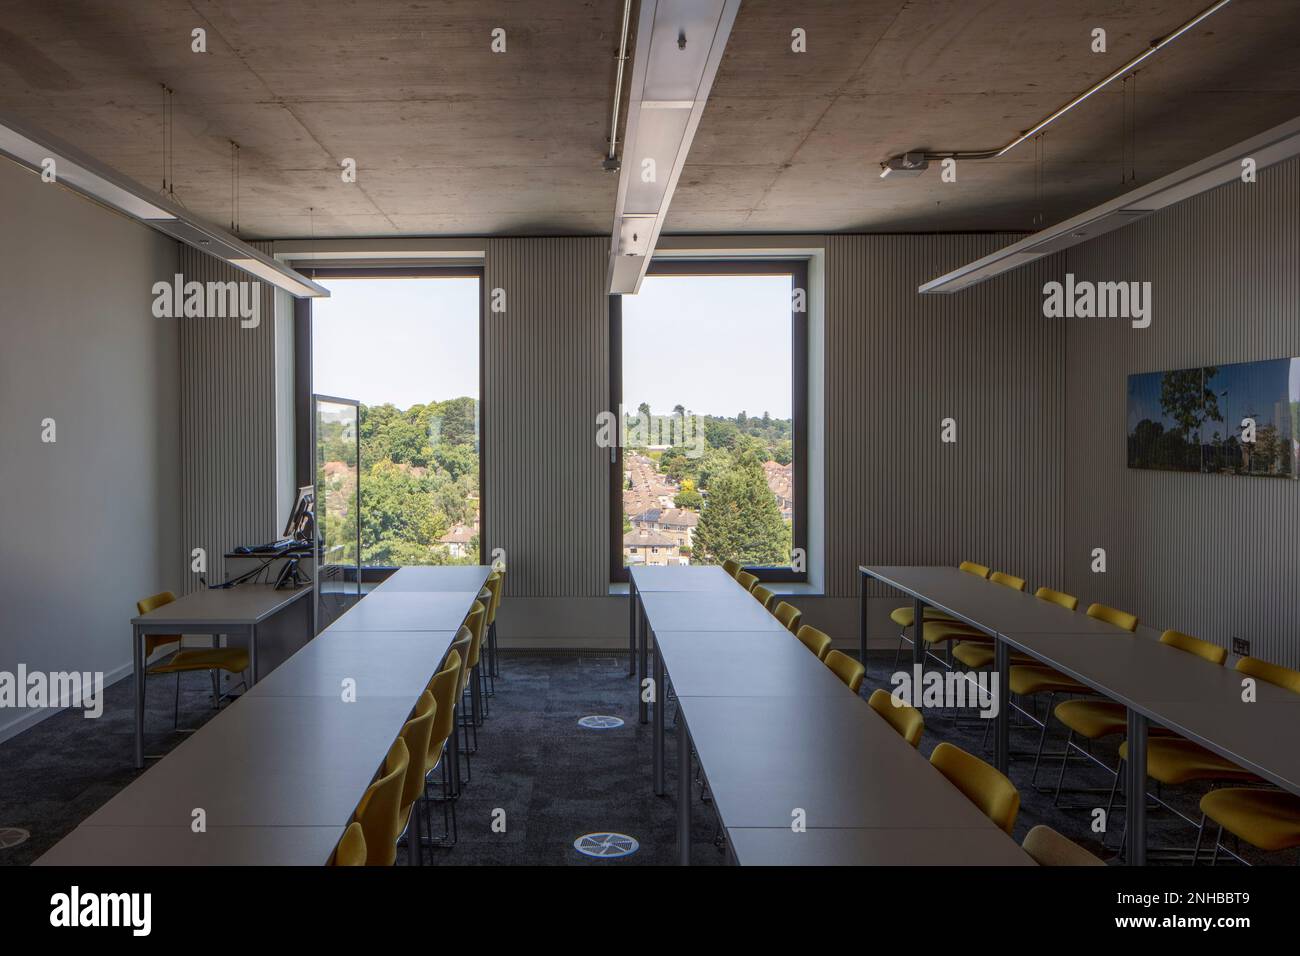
(975, 655)
(1175, 760)
(1093, 719)
(940, 632)
(1268, 819)
(1038, 679)
(234, 659)
(903, 617)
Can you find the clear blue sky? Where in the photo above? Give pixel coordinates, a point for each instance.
(403, 340)
(716, 344)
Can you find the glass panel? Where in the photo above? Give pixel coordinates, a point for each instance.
(338, 578)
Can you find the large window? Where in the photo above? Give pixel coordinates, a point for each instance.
(708, 372)
(405, 345)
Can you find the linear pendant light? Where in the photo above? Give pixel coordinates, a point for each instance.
(679, 44)
(31, 147)
(1272, 146)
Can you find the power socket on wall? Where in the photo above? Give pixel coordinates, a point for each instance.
(1241, 647)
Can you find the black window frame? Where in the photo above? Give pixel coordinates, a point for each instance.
(797, 269)
(304, 465)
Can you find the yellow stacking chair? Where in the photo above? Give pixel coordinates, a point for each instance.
(351, 850)
(731, 567)
(496, 583)
(1272, 673)
(747, 580)
(983, 784)
(445, 688)
(950, 631)
(764, 596)
(415, 734)
(461, 648)
(788, 615)
(978, 655)
(1266, 819)
(903, 616)
(1049, 848)
(379, 811)
(904, 718)
(819, 642)
(846, 669)
(233, 660)
(477, 621)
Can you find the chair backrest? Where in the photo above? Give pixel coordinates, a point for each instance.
(154, 601)
(1273, 673)
(846, 669)
(983, 784)
(904, 718)
(351, 850)
(731, 567)
(493, 587)
(788, 615)
(474, 621)
(764, 596)
(1195, 645)
(1067, 601)
(1110, 615)
(747, 580)
(444, 686)
(461, 645)
(416, 733)
(970, 567)
(379, 811)
(1007, 580)
(819, 642)
(1049, 848)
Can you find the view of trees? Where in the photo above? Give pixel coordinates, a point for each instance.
(419, 482)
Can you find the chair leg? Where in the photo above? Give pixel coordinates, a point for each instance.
(176, 710)
(1218, 838)
(898, 654)
(216, 690)
(1042, 739)
(1110, 803)
(1060, 777)
(1200, 832)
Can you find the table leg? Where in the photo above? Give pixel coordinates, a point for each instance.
(683, 792)
(631, 629)
(137, 654)
(1002, 722)
(252, 651)
(1136, 786)
(918, 628)
(862, 618)
(660, 702)
(643, 654)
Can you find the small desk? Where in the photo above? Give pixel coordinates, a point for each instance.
(233, 611)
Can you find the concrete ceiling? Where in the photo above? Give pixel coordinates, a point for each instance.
(451, 139)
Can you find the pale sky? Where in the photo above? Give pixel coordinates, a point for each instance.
(716, 344)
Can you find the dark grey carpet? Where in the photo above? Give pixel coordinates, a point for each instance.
(554, 780)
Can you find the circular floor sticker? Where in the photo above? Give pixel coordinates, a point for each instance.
(600, 722)
(12, 836)
(606, 845)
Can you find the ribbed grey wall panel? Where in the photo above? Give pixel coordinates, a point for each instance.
(228, 424)
(1214, 555)
(897, 364)
(546, 371)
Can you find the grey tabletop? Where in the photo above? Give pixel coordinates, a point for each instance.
(683, 578)
(732, 610)
(382, 664)
(781, 846)
(832, 757)
(986, 604)
(266, 761)
(407, 611)
(745, 664)
(435, 578)
(243, 605)
(181, 846)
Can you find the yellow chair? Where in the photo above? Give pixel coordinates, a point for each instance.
(379, 811)
(1008, 580)
(477, 622)
(1049, 848)
(788, 615)
(496, 583)
(1283, 677)
(445, 688)
(731, 567)
(1110, 615)
(982, 784)
(233, 660)
(846, 669)
(1266, 819)
(903, 616)
(764, 596)
(904, 718)
(461, 648)
(416, 733)
(819, 642)
(351, 850)
(979, 655)
(1194, 645)
(747, 580)
(948, 631)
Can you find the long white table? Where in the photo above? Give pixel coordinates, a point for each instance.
(1155, 682)
(277, 775)
(776, 733)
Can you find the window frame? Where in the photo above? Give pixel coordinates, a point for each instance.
(797, 269)
(304, 466)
